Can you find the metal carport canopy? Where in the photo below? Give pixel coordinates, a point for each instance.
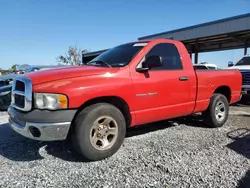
(224, 34)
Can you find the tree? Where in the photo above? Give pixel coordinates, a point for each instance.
(72, 57)
(14, 67)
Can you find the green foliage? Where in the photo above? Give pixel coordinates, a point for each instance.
(6, 71)
(14, 67)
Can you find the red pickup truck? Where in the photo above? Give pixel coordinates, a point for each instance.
(128, 85)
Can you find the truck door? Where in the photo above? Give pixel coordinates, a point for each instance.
(167, 91)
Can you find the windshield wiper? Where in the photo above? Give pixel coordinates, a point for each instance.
(99, 62)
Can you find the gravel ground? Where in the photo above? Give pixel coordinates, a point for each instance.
(181, 153)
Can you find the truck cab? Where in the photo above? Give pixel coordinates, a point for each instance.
(243, 65)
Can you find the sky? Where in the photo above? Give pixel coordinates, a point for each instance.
(36, 32)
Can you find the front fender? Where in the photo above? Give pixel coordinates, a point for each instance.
(81, 89)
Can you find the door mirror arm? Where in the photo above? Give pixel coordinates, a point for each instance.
(142, 69)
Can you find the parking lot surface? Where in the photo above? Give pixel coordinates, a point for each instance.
(177, 153)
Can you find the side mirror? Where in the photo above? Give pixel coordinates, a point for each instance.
(230, 64)
(150, 62)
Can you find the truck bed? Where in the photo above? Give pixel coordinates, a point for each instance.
(209, 80)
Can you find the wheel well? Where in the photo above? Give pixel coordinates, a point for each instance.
(114, 100)
(224, 90)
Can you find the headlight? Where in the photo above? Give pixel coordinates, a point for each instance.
(50, 101)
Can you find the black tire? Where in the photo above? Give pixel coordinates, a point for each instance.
(210, 114)
(5, 101)
(84, 123)
(245, 100)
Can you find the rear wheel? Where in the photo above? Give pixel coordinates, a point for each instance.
(99, 131)
(217, 113)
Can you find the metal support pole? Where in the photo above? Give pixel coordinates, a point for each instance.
(245, 47)
(196, 52)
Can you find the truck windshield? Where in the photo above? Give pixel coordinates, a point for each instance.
(243, 61)
(118, 56)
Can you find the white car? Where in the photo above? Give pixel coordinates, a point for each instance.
(205, 66)
(243, 65)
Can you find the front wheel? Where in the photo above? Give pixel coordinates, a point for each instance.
(217, 113)
(99, 131)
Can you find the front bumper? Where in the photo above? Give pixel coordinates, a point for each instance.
(41, 125)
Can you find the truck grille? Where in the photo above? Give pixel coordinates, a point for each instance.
(22, 93)
(245, 78)
(20, 86)
(19, 100)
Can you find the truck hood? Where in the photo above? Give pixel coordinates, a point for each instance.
(240, 67)
(44, 76)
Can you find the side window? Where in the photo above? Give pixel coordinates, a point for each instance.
(170, 56)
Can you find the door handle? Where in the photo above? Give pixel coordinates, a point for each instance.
(183, 78)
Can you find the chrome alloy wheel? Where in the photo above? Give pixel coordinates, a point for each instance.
(103, 133)
(220, 111)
